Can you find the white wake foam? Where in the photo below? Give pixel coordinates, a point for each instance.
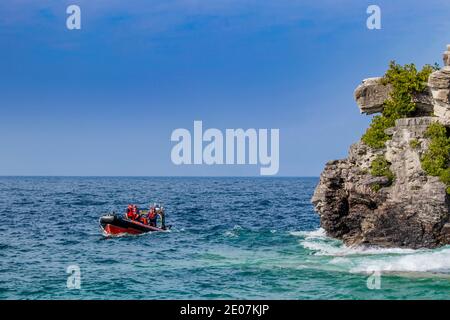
(361, 259)
(429, 261)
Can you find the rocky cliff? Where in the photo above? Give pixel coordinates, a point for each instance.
(405, 207)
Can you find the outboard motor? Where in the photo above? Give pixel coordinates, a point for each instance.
(109, 218)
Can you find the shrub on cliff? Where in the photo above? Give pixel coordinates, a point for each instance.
(414, 143)
(445, 178)
(436, 159)
(375, 136)
(380, 167)
(405, 81)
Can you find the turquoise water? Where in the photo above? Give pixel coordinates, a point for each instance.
(237, 238)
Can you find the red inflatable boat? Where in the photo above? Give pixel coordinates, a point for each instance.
(113, 224)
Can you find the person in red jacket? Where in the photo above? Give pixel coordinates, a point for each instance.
(135, 212)
(152, 216)
(143, 219)
(130, 214)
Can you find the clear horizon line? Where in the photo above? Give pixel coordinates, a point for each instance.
(149, 176)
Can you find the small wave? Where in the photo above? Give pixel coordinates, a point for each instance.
(319, 233)
(4, 246)
(23, 203)
(88, 203)
(231, 234)
(234, 232)
(265, 203)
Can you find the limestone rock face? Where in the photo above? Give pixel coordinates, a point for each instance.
(413, 211)
(439, 84)
(371, 94)
(447, 56)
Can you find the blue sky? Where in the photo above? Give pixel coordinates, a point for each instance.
(104, 100)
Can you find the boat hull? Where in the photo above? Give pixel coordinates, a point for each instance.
(115, 225)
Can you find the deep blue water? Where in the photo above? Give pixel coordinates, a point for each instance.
(238, 238)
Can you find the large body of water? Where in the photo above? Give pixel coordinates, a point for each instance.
(237, 238)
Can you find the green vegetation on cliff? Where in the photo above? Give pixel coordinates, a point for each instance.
(436, 159)
(414, 143)
(380, 167)
(405, 81)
